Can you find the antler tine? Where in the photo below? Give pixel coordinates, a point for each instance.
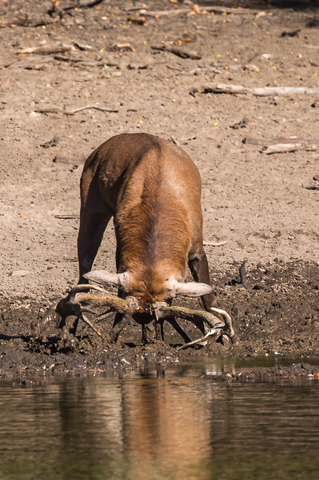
(188, 313)
(88, 322)
(227, 318)
(82, 288)
(202, 340)
(118, 304)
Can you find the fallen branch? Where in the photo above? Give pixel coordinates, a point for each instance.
(197, 10)
(288, 147)
(82, 61)
(47, 49)
(279, 140)
(260, 92)
(163, 13)
(76, 110)
(56, 10)
(27, 21)
(135, 9)
(37, 63)
(180, 52)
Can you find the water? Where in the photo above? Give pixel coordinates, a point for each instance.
(159, 425)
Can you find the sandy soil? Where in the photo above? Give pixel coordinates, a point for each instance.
(264, 206)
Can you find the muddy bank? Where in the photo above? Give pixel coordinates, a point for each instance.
(275, 314)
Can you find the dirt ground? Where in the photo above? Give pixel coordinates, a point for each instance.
(265, 207)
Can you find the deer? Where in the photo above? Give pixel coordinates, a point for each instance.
(152, 189)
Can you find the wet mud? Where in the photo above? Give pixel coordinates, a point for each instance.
(275, 314)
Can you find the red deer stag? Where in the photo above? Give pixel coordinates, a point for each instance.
(152, 188)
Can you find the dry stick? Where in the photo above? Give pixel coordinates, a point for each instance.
(135, 9)
(55, 7)
(220, 10)
(213, 244)
(238, 11)
(183, 140)
(260, 92)
(180, 52)
(163, 13)
(286, 147)
(47, 49)
(193, 137)
(73, 112)
(101, 63)
(28, 64)
(279, 140)
(292, 33)
(28, 21)
(96, 107)
(242, 273)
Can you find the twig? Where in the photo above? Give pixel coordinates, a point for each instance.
(27, 21)
(172, 67)
(96, 107)
(164, 13)
(288, 147)
(180, 52)
(183, 140)
(216, 9)
(31, 63)
(76, 110)
(236, 11)
(279, 140)
(83, 61)
(47, 49)
(293, 33)
(193, 137)
(214, 244)
(135, 9)
(260, 92)
(55, 7)
(242, 273)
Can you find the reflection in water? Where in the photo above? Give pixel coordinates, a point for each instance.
(156, 425)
